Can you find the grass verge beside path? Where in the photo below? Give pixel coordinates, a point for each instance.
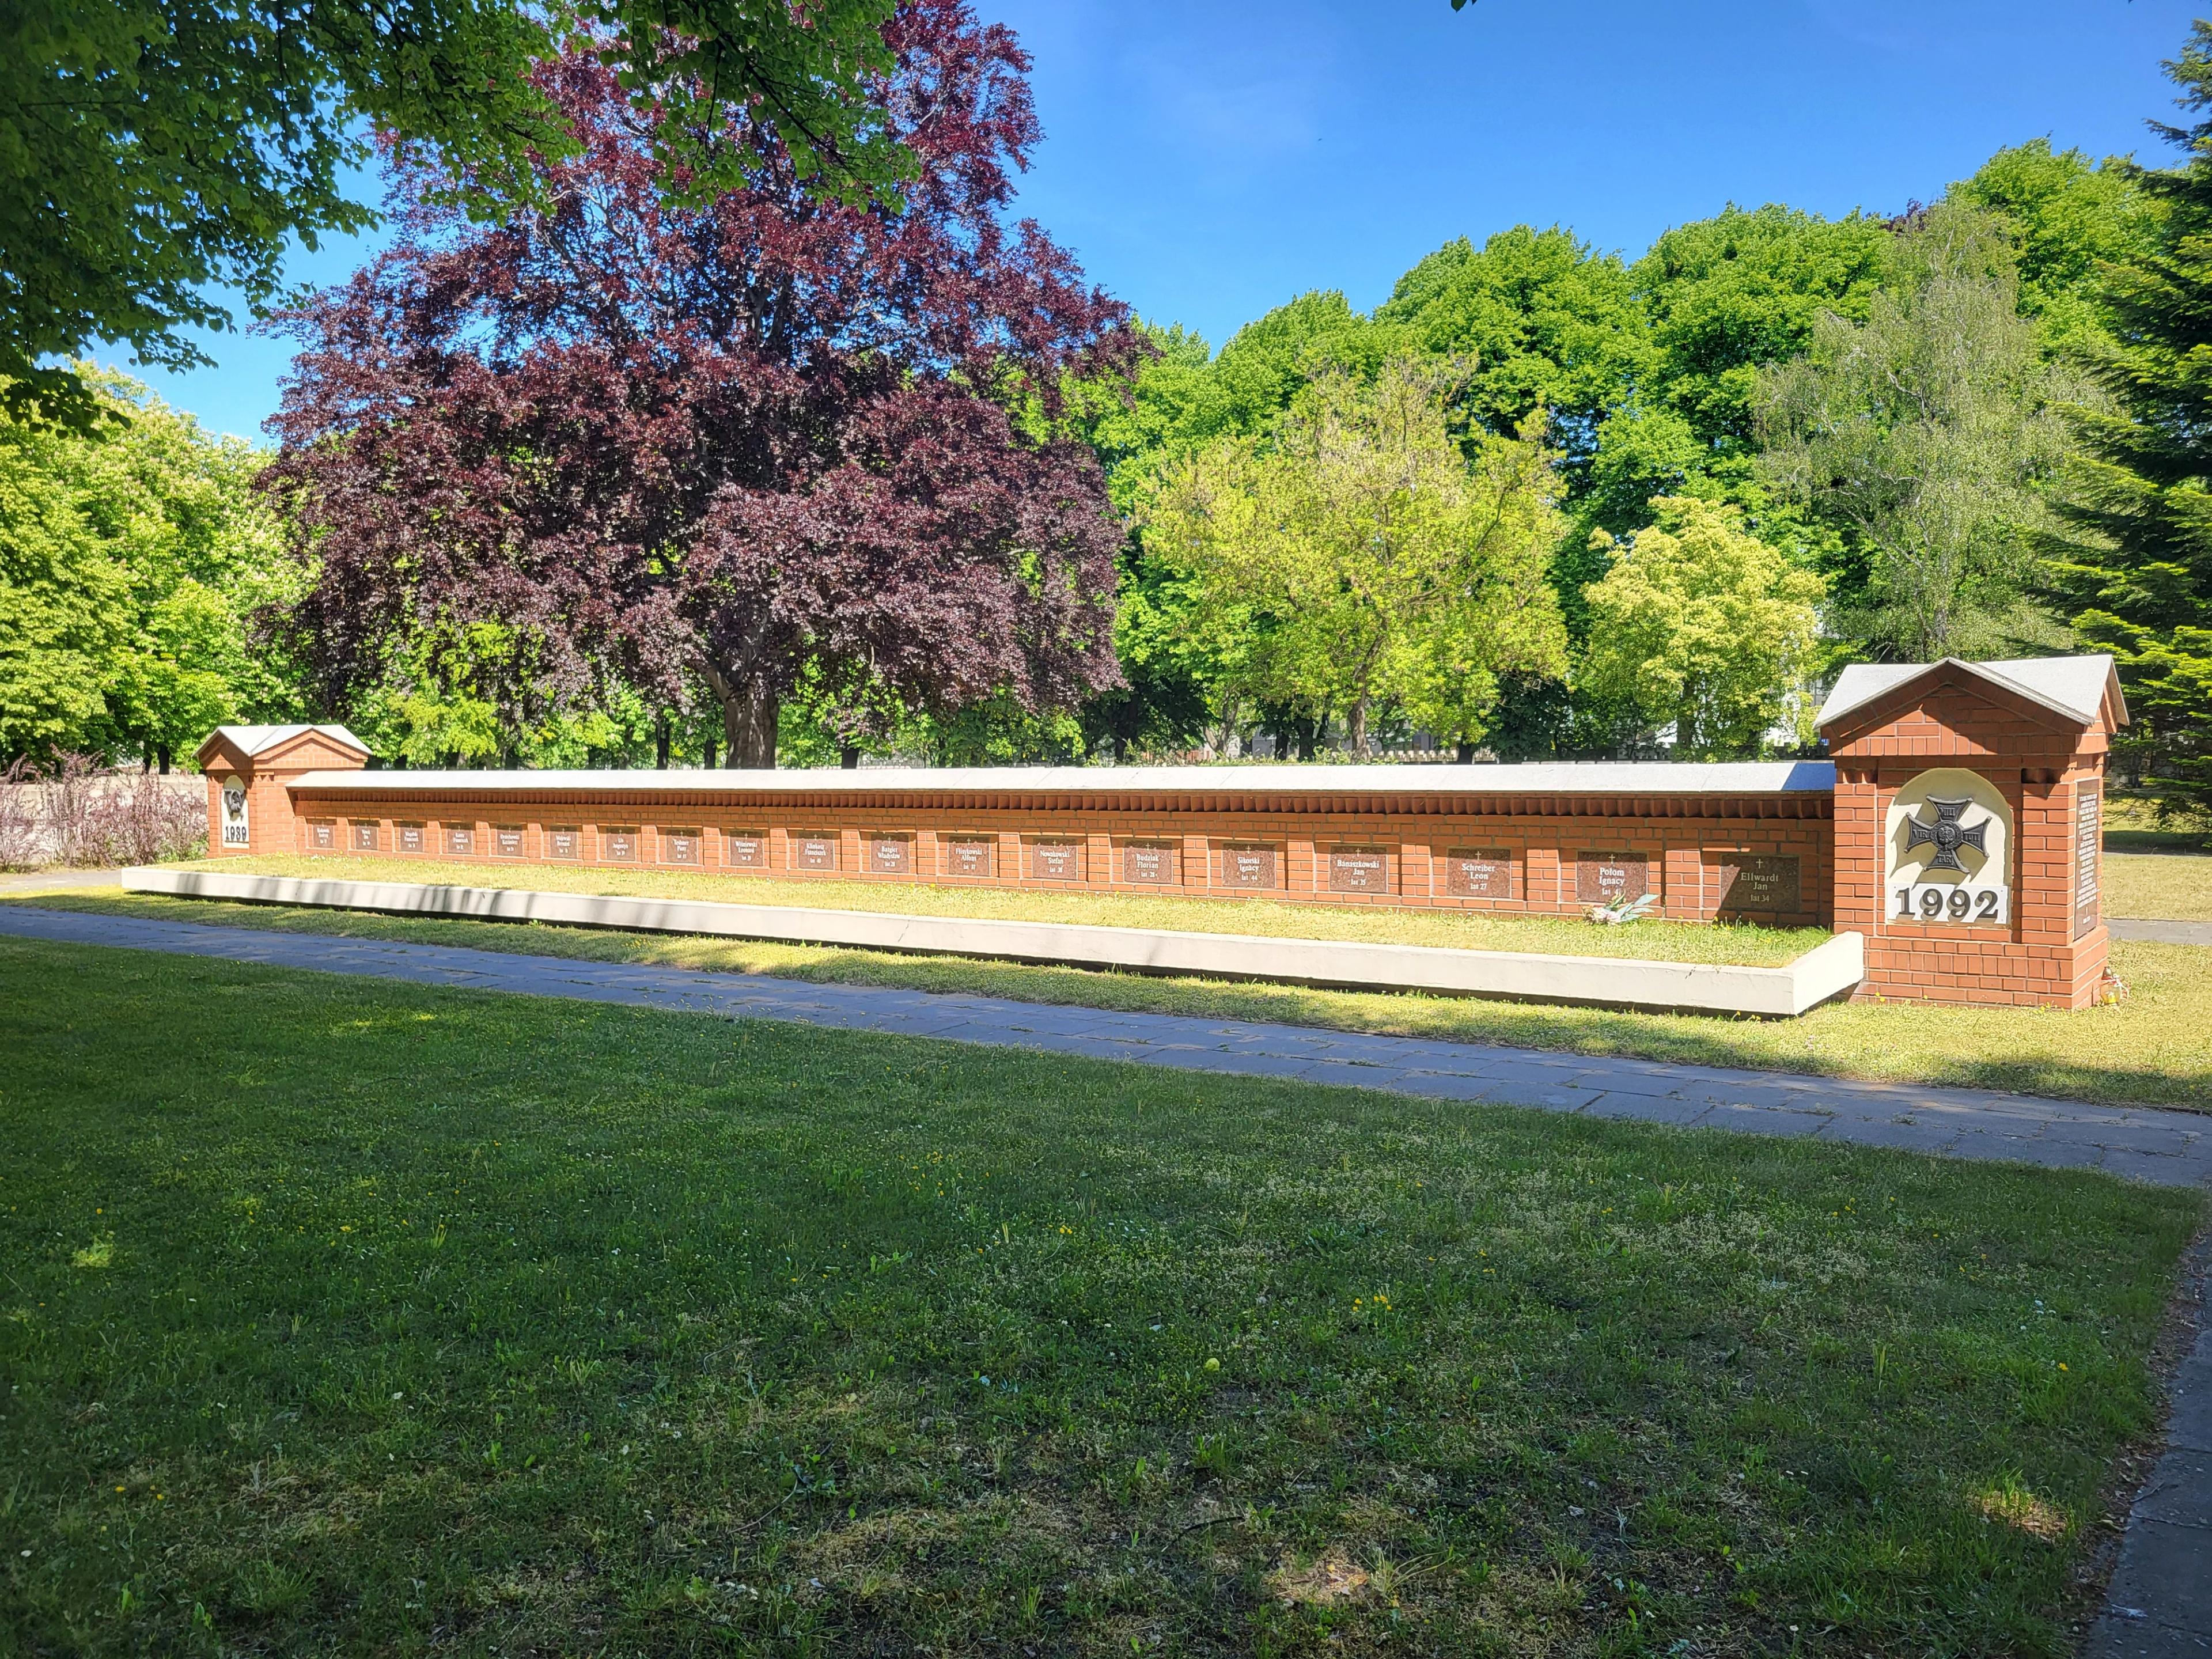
(1668, 941)
(2156, 1048)
(349, 1316)
(2158, 886)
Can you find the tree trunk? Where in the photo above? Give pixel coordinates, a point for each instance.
(749, 709)
(1121, 748)
(710, 754)
(849, 757)
(660, 742)
(1355, 728)
(1466, 756)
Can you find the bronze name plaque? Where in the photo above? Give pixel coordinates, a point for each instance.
(1756, 884)
(1479, 872)
(618, 846)
(507, 840)
(1056, 860)
(891, 855)
(364, 838)
(1358, 870)
(1150, 863)
(564, 843)
(1602, 877)
(813, 852)
(745, 849)
(323, 836)
(967, 855)
(411, 837)
(2088, 844)
(680, 846)
(1249, 868)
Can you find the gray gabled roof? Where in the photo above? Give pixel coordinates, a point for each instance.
(250, 740)
(2072, 686)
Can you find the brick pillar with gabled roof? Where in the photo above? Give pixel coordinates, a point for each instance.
(249, 770)
(1968, 826)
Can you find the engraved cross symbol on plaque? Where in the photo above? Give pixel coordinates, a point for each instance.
(1946, 834)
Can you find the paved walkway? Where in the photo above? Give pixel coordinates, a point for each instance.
(2167, 1147)
(2161, 932)
(2159, 1603)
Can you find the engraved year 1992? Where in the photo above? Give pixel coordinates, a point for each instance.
(1934, 902)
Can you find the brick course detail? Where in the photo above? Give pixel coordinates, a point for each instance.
(1788, 844)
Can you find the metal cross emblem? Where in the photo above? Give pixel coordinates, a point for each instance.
(1946, 834)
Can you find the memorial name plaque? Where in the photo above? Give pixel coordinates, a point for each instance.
(1150, 863)
(235, 829)
(1604, 878)
(1755, 883)
(813, 851)
(891, 855)
(1056, 860)
(1358, 870)
(969, 855)
(507, 840)
(618, 846)
(680, 846)
(564, 842)
(461, 843)
(745, 849)
(323, 836)
(411, 838)
(1251, 868)
(364, 838)
(1479, 872)
(2089, 845)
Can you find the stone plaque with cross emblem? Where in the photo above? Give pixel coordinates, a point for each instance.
(967, 855)
(1948, 836)
(1479, 872)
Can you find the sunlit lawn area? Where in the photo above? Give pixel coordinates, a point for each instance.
(344, 1315)
(2169, 886)
(2155, 1048)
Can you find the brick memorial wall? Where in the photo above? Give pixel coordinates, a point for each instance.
(1972, 789)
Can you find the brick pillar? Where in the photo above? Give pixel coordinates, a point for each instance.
(254, 768)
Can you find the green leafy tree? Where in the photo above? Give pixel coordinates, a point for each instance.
(2065, 217)
(1702, 625)
(1925, 435)
(131, 560)
(2134, 567)
(153, 150)
(1386, 565)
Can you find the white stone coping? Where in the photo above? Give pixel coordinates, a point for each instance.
(1826, 971)
(1805, 778)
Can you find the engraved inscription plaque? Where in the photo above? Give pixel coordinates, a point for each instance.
(411, 837)
(2088, 846)
(1248, 868)
(1358, 870)
(364, 838)
(813, 850)
(1755, 884)
(1056, 860)
(1479, 872)
(461, 843)
(507, 840)
(323, 836)
(745, 849)
(967, 855)
(1601, 877)
(891, 855)
(1151, 862)
(680, 846)
(618, 846)
(564, 841)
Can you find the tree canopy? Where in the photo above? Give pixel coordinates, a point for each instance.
(720, 447)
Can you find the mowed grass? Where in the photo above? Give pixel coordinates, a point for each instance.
(1673, 941)
(360, 1317)
(2153, 1049)
(2158, 886)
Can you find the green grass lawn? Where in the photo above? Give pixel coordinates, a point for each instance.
(2154, 1049)
(2164, 886)
(351, 1317)
(1673, 941)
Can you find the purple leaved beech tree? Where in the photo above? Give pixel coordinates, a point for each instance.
(709, 447)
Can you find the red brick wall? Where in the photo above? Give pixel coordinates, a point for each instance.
(1678, 842)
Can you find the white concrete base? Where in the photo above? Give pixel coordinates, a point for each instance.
(1826, 971)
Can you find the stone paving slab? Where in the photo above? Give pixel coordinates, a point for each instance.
(2159, 932)
(2168, 1148)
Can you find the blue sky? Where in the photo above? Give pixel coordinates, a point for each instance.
(1209, 161)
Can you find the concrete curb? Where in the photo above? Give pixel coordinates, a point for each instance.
(1826, 971)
